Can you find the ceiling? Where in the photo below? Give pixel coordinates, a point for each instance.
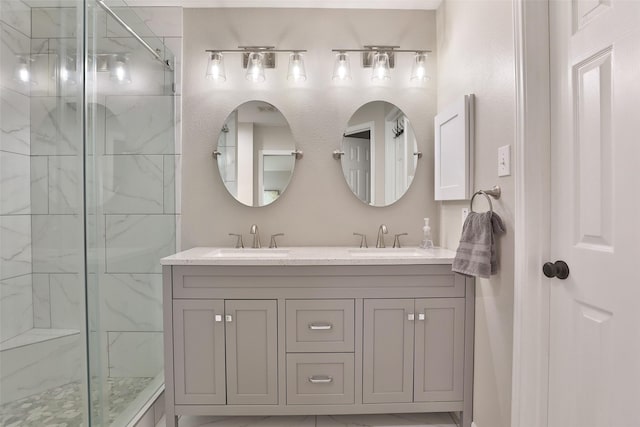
(320, 4)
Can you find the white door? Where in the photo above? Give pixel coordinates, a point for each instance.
(594, 364)
(356, 166)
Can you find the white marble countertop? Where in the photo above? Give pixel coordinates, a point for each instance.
(310, 255)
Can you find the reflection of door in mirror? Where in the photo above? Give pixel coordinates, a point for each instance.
(357, 164)
(274, 170)
(400, 163)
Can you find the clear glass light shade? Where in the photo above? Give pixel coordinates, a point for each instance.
(342, 68)
(21, 72)
(381, 69)
(255, 67)
(419, 68)
(67, 70)
(296, 68)
(119, 69)
(215, 67)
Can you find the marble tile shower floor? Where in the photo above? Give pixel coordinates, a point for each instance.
(63, 407)
(389, 420)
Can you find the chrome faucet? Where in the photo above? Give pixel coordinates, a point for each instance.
(381, 232)
(256, 236)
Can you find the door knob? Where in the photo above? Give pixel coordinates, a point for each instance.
(558, 269)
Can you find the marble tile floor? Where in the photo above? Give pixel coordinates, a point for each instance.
(63, 407)
(386, 420)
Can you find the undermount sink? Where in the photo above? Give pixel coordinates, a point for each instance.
(386, 252)
(248, 253)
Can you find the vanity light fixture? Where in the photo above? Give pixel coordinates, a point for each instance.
(296, 68)
(22, 72)
(381, 58)
(381, 70)
(255, 67)
(419, 67)
(215, 67)
(255, 59)
(342, 68)
(119, 68)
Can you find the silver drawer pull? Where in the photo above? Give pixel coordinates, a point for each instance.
(320, 326)
(320, 379)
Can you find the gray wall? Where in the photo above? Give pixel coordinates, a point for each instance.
(475, 45)
(318, 208)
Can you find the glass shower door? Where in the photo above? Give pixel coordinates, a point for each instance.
(131, 207)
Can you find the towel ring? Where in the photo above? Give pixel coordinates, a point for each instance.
(494, 192)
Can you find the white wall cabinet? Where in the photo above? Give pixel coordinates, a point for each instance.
(294, 340)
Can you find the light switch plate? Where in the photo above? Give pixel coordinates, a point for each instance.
(504, 160)
(465, 214)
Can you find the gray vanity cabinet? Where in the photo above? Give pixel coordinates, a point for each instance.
(252, 345)
(266, 340)
(413, 350)
(198, 330)
(208, 332)
(388, 351)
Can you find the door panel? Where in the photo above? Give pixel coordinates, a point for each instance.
(439, 356)
(594, 361)
(388, 351)
(199, 352)
(252, 342)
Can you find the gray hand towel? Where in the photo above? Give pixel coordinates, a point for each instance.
(476, 254)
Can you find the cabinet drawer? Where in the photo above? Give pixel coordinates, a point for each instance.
(318, 326)
(320, 379)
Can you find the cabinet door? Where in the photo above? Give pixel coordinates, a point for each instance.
(198, 342)
(439, 357)
(388, 351)
(252, 344)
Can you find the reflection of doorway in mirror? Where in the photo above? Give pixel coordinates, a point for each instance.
(274, 171)
(399, 159)
(358, 164)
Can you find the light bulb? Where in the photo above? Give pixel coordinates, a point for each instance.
(119, 69)
(381, 69)
(296, 68)
(22, 72)
(419, 67)
(215, 68)
(342, 68)
(255, 67)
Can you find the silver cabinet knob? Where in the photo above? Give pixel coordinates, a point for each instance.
(411, 316)
(421, 316)
(228, 318)
(218, 317)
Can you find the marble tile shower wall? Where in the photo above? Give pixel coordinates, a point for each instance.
(136, 158)
(16, 308)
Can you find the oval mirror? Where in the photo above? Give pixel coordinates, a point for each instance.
(380, 153)
(256, 153)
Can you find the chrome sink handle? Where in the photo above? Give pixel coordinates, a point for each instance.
(273, 243)
(256, 236)
(239, 242)
(396, 240)
(382, 230)
(363, 240)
